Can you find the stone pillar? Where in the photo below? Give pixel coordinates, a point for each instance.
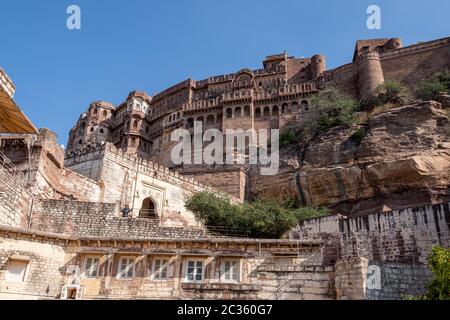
(370, 75)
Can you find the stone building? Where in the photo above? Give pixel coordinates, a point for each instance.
(274, 97)
(63, 236)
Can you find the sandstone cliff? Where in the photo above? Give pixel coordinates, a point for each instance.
(401, 158)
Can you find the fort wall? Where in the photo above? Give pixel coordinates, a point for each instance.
(394, 244)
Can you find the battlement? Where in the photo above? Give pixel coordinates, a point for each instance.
(416, 48)
(143, 166)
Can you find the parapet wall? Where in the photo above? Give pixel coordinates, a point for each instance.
(88, 219)
(404, 236)
(408, 65)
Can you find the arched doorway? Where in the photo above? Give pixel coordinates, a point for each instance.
(148, 209)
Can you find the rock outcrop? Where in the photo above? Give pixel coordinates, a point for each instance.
(400, 159)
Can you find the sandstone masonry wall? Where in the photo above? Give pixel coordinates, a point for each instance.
(15, 200)
(85, 219)
(43, 278)
(396, 280)
(53, 258)
(399, 236)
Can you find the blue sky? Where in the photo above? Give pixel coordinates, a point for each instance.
(151, 45)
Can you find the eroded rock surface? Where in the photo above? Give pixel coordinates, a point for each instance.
(400, 158)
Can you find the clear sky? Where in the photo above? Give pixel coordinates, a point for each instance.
(150, 45)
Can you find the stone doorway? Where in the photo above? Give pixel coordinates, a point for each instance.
(148, 209)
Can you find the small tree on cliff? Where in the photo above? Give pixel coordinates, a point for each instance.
(332, 108)
(261, 218)
(431, 89)
(393, 92)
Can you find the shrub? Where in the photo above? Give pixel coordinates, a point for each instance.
(432, 88)
(392, 91)
(332, 108)
(439, 263)
(439, 287)
(262, 218)
(287, 138)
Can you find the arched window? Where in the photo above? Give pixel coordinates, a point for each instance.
(257, 113)
(105, 113)
(135, 124)
(229, 113)
(95, 111)
(237, 112)
(83, 125)
(305, 105)
(284, 108)
(275, 111)
(80, 142)
(247, 111)
(219, 118)
(266, 112)
(294, 107)
(210, 120)
(102, 131)
(190, 123)
(148, 209)
(92, 130)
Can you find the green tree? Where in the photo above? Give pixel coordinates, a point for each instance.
(261, 218)
(439, 263)
(332, 108)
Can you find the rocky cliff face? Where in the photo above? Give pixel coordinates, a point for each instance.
(400, 159)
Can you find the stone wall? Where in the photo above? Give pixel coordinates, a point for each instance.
(359, 278)
(392, 246)
(412, 64)
(269, 269)
(43, 278)
(130, 180)
(43, 162)
(15, 200)
(233, 182)
(404, 236)
(87, 219)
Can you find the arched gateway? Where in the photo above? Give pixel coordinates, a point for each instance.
(148, 209)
